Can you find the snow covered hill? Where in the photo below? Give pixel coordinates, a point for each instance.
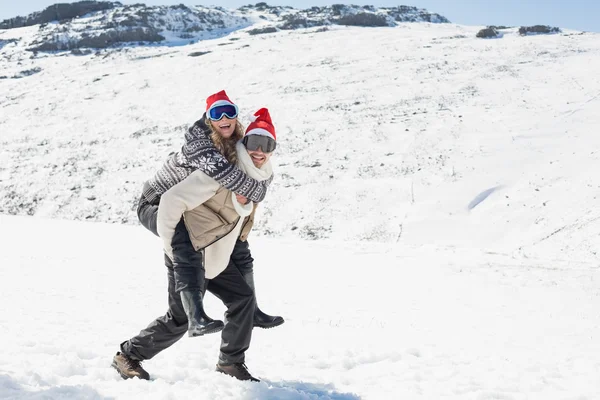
(363, 321)
(431, 233)
(422, 133)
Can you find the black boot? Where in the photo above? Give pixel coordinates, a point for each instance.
(198, 322)
(266, 321)
(261, 319)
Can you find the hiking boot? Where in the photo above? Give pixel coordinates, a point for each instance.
(127, 367)
(198, 322)
(266, 321)
(237, 370)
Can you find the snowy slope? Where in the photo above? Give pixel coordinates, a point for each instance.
(362, 321)
(391, 142)
(432, 231)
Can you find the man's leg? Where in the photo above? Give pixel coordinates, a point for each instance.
(230, 287)
(162, 332)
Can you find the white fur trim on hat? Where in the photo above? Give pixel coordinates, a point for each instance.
(260, 132)
(221, 103)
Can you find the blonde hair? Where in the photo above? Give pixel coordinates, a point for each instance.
(226, 146)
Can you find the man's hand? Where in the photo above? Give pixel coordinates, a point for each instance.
(241, 199)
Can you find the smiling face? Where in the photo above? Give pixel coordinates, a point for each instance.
(224, 127)
(259, 158)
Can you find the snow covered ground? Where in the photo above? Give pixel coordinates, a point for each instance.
(432, 232)
(363, 321)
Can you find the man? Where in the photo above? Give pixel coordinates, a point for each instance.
(210, 234)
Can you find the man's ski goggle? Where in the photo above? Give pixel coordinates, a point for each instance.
(254, 142)
(218, 112)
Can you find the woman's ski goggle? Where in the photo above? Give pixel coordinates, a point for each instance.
(218, 112)
(254, 142)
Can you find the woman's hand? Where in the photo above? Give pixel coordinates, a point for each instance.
(241, 199)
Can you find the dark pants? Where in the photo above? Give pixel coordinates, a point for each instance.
(147, 214)
(241, 257)
(229, 286)
(188, 264)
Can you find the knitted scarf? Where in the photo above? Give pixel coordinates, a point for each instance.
(199, 152)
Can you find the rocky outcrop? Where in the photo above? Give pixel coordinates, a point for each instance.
(59, 12)
(488, 33)
(97, 25)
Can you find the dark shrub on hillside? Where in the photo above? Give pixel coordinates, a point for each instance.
(524, 30)
(28, 72)
(412, 14)
(261, 6)
(259, 31)
(198, 53)
(297, 22)
(336, 9)
(293, 22)
(181, 7)
(362, 19)
(488, 33)
(7, 41)
(105, 39)
(79, 52)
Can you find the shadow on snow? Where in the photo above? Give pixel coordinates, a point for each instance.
(296, 390)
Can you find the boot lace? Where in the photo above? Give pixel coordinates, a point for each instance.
(132, 364)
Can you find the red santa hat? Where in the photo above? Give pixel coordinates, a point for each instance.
(218, 99)
(262, 124)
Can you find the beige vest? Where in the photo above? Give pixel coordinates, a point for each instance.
(215, 224)
(214, 219)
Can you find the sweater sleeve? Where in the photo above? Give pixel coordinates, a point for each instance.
(186, 195)
(228, 175)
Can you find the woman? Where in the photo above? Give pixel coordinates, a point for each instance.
(210, 148)
(213, 220)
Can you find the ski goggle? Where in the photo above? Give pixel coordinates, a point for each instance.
(254, 142)
(218, 112)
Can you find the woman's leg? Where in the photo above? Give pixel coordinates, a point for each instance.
(148, 214)
(262, 319)
(188, 266)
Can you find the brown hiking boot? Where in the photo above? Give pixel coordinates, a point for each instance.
(237, 370)
(127, 367)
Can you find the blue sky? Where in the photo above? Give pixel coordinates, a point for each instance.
(574, 14)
